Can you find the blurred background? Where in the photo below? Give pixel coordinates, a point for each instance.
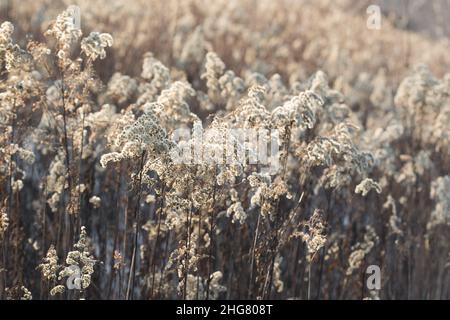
(413, 31)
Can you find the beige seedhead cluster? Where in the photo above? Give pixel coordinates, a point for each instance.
(93, 204)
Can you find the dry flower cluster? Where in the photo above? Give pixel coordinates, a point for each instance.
(93, 205)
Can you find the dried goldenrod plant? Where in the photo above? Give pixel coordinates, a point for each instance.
(235, 150)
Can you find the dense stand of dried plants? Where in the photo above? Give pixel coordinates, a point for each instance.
(93, 206)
